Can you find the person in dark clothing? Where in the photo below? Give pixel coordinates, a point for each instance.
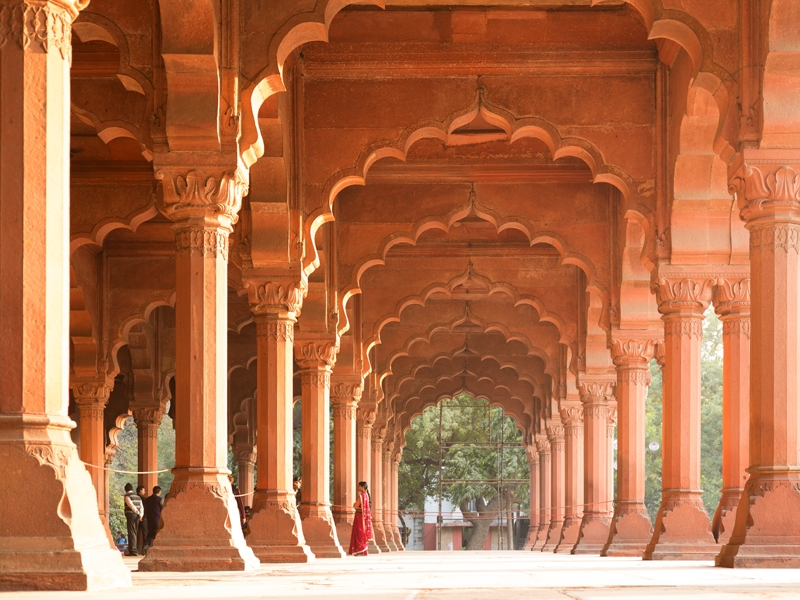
(134, 512)
(297, 486)
(239, 501)
(152, 515)
(142, 539)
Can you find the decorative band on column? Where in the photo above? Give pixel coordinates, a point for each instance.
(277, 329)
(37, 27)
(205, 241)
(775, 237)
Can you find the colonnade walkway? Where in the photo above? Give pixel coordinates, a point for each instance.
(458, 576)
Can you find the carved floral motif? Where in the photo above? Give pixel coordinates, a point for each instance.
(773, 238)
(36, 26)
(674, 293)
(684, 326)
(348, 391)
(315, 354)
(278, 329)
(760, 188)
(273, 295)
(596, 389)
(185, 194)
(205, 241)
(629, 350)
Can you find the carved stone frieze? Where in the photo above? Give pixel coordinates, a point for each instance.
(684, 326)
(782, 237)
(193, 193)
(277, 329)
(36, 26)
(207, 242)
(636, 375)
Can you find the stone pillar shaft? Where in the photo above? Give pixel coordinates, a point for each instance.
(203, 208)
(276, 532)
(734, 309)
(344, 400)
(597, 511)
(545, 492)
(388, 524)
(631, 529)
(147, 422)
(315, 359)
(572, 417)
(377, 495)
(395, 481)
(365, 417)
(535, 495)
(766, 532)
(50, 549)
(245, 463)
(555, 434)
(682, 530)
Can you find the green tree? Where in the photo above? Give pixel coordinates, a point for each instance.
(711, 422)
(470, 455)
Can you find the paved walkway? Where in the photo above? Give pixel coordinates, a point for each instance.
(459, 576)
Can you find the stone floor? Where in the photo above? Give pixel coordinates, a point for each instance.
(459, 575)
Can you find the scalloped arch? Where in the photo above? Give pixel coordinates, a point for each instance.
(143, 316)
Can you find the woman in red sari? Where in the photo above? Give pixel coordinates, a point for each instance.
(362, 524)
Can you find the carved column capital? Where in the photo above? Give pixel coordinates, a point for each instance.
(596, 390)
(571, 416)
(276, 295)
(532, 454)
(245, 455)
(682, 294)
(94, 393)
(40, 26)
(343, 392)
(767, 185)
(147, 415)
(209, 195)
(732, 296)
(555, 433)
(633, 351)
(316, 354)
(543, 446)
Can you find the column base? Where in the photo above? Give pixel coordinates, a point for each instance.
(553, 535)
(631, 531)
(344, 528)
(682, 530)
(725, 515)
(593, 534)
(767, 532)
(200, 529)
(541, 537)
(276, 533)
(570, 533)
(389, 537)
(63, 546)
(533, 531)
(398, 539)
(320, 531)
(380, 536)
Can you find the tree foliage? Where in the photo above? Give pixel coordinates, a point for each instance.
(471, 431)
(711, 422)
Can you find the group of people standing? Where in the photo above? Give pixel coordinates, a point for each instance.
(143, 515)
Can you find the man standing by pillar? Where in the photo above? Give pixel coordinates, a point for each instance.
(630, 527)
(595, 394)
(682, 530)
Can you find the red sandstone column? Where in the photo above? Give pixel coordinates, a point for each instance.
(596, 522)
(767, 528)
(276, 533)
(365, 417)
(395, 480)
(535, 497)
(202, 202)
(62, 543)
(572, 418)
(388, 525)
(147, 422)
(91, 398)
(631, 529)
(344, 403)
(316, 359)
(245, 463)
(376, 488)
(733, 307)
(545, 492)
(555, 435)
(682, 529)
